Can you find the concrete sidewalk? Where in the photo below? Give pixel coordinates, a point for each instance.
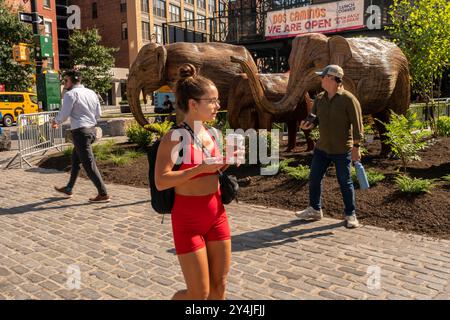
(124, 252)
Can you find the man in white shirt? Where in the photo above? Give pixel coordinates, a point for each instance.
(83, 108)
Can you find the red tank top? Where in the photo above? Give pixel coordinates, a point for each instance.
(195, 155)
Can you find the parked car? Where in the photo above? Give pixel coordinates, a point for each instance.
(13, 104)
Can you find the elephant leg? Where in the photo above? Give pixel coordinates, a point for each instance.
(264, 120)
(384, 117)
(309, 142)
(292, 134)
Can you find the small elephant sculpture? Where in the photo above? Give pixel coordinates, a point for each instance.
(244, 113)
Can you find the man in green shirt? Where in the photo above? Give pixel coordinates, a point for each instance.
(339, 117)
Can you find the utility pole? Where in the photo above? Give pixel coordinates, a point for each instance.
(35, 23)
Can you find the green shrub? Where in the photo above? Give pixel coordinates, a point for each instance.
(315, 134)
(119, 160)
(405, 137)
(446, 179)
(372, 176)
(133, 154)
(443, 126)
(102, 151)
(300, 172)
(142, 137)
(159, 128)
(68, 152)
(414, 185)
(279, 167)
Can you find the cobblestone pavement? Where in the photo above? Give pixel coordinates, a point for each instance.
(124, 252)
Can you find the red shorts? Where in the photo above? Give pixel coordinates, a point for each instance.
(198, 219)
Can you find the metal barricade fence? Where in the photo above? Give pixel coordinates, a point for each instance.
(441, 107)
(35, 134)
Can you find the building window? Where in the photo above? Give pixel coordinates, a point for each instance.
(48, 28)
(201, 22)
(159, 8)
(94, 10)
(211, 6)
(123, 5)
(189, 18)
(145, 31)
(201, 4)
(158, 34)
(124, 30)
(47, 3)
(174, 12)
(144, 6)
(191, 2)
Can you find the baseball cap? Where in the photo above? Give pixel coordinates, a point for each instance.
(333, 70)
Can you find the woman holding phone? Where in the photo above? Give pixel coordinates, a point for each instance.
(199, 221)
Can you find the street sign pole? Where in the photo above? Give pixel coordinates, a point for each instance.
(35, 23)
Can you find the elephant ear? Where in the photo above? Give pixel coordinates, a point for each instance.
(340, 51)
(161, 58)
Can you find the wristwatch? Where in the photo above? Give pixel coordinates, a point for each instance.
(356, 145)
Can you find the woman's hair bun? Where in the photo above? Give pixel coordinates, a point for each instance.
(187, 70)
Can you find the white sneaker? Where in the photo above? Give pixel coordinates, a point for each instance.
(351, 221)
(309, 214)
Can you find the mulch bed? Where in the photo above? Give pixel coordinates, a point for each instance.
(382, 205)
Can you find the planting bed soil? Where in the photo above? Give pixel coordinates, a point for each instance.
(382, 205)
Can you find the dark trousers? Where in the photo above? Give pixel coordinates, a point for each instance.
(320, 162)
(82, 153)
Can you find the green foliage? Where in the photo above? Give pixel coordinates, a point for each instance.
(92, 59)
(422, 30)
(300, 172)
(159, 128)
(118, 157)
(119, 160)
(315, 134)
(443, 126)
(414, 185)
(405, 142)
(372, 176)
(368, 129)
(446, 179)
(16, 77)
(141, 136)
(68, 151)
(103, 151)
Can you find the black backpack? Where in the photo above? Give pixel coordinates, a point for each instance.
(162, 201)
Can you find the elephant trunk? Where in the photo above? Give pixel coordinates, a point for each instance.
(135, 105)
(294, 94)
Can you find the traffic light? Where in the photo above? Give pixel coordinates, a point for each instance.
(21, 53)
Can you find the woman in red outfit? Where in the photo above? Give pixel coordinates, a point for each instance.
(199, 221)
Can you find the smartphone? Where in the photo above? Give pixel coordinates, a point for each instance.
(311, 118)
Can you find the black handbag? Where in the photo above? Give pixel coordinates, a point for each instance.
(229, 186)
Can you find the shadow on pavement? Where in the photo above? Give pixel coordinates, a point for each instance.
(276, 236)
(35, 207)
(124, 205)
